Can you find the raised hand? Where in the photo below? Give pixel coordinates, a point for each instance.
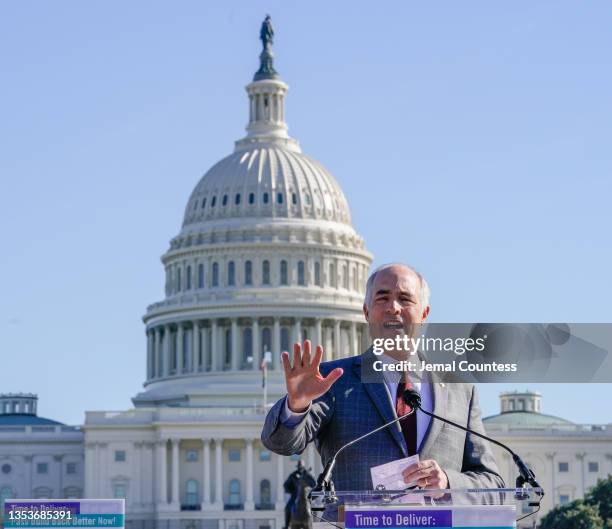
(304, 380)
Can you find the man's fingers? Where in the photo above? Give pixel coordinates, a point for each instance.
(297, 355)
(286, 364)
(332, 377)
(318, 356)
(306, 355)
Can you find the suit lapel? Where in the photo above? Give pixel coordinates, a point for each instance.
(440, 396)
(382, 400)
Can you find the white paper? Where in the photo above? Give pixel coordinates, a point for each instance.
(390, 475)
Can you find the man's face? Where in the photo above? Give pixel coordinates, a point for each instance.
(395, 306)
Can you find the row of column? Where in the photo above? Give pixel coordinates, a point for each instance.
(59, 459)
(331, 273)
(169, 354)
(169, 486)
(273, 111)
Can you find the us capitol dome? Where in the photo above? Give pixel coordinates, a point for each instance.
(266, 256)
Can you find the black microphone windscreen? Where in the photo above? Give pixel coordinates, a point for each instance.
(412, 397)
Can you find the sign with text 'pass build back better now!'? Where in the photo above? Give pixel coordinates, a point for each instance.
(442, 517)
(93, 514)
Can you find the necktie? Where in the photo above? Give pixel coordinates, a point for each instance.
(409, 424)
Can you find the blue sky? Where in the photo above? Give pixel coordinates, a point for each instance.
(472, 139)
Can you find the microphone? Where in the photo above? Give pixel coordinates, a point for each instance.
(413, 399)
(324, 482)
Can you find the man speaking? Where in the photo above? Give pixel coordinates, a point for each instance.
(329, 404)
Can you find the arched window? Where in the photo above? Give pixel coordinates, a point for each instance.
(266, 339)
(266, 198)
(332, 275)
(215, 275)
(265, 492)
(279, 198)
(301, 278)
(191, 493)
(203, 203)
(284, 276)
(285, 339)
(247, 347)
(345, 277)
(71, 493)
(248, 273)
(294, 198)
(231, 274)
(42, 493)
(234, 493)
(214, 202)
(200, 276)
(237, 199)
(265, 273)
(119, 491)
(317, 274)
(251, 198)
(228, 348)
(225, 200)
(188, 277)
(178, 279)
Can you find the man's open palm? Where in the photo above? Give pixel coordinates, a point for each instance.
(304, 380)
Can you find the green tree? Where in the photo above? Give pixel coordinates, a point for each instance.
(574, 515)
(600, 496)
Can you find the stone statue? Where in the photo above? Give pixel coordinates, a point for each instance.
(297, 509)
(266, 34)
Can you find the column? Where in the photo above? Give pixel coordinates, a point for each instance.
(206, 490)
(365, 337)
(175, 474)
(162, 463)
(167, 349)
(28, 473)
(60, 475)
(218, 474)
(336, 352)
(276, 363)
(311, 458)
(318, 333)
(249, 505)
(203, 348)
(149, 354)
(580, 457)
(297, 331)
(137, 499)
(158, 352)
(214, 346)
(235, 356)
(280, 480)
(195, 347)
(179, 348)
(551, 457)
(96, 475)
(257, 353)
(354, 344)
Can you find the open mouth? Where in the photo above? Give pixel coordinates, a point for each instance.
(393, 325)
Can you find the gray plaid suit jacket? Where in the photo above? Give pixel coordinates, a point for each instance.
(351, 408)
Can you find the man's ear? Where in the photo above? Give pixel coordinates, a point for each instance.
(425, 313)
(366, 314)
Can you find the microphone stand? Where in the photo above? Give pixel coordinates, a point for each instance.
(526, 475)
(324, 482)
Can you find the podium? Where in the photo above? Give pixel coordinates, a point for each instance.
(392, 509)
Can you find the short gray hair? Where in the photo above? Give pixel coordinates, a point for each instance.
(425, 292)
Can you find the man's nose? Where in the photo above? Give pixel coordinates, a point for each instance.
(394, 307)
